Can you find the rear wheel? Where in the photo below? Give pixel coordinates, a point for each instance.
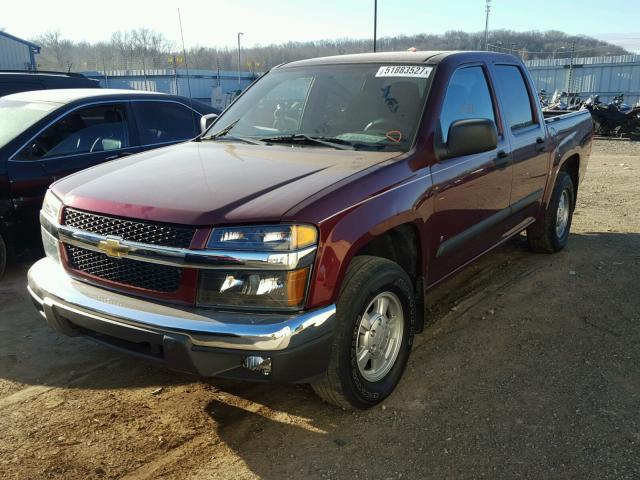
(376, 315)
(550, 233)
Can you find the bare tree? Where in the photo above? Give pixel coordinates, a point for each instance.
(145, 49)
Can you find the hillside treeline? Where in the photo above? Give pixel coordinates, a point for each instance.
(146, 49)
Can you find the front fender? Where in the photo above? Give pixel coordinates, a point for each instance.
(344, 234)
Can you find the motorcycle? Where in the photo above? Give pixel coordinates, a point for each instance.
(564, 101)
(609, 120)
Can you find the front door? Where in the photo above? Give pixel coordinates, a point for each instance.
(471, 193)
(81, 138)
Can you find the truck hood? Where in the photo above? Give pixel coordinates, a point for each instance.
(208, 183)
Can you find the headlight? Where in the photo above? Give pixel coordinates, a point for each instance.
(283, 288)
(263, 289)
(50, 244)
(51, 207)
(266, 238)
(49, 216)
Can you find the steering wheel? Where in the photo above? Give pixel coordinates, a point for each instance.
(93, 145)
(378, 122)
(42, 149)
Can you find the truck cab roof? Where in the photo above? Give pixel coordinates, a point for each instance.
(410, 58)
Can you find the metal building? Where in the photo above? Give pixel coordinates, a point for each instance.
(17, 54)
(605, 76)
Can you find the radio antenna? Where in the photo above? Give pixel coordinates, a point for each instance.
(186, 66)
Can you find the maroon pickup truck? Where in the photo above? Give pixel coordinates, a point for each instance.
(296, 238)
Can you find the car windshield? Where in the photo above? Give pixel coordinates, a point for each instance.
(16, 116)
(363, 106)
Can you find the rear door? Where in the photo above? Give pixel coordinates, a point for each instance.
(471, 192)
(527, 133)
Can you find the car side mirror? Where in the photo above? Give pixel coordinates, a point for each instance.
(207, 120)
(466, 137)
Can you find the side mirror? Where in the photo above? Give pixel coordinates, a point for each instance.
(466, 137)
(207, 120)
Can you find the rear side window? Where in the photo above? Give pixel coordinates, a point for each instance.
(515, 94)
(163, 122)
(467, 97)
(86, 130)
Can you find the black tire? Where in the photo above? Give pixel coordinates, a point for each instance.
(342, 384)
(3, 256)
(542, 235)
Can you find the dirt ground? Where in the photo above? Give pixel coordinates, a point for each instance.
(530, 368)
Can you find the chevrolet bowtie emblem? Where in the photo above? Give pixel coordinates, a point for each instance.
(113, 248)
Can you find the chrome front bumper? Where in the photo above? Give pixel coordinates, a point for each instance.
(74, 307)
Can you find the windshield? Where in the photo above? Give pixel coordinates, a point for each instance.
(367, 105)
(17, 116)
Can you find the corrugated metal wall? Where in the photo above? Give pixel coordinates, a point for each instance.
(14, 55)
(201, 83)
(605, 76)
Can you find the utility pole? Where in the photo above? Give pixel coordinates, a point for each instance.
(239, 34)
(175, 74)
(486, 25)
(570, 78)
(375, 25)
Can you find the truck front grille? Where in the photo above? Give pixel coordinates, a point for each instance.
(132, 230)
(150, 276)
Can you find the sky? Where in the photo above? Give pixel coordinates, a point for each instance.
(217, 22)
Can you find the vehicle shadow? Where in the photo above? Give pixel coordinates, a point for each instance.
(32, 354)
(445, 422)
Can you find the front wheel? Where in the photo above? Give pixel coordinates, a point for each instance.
(375, 322)
(551, 232)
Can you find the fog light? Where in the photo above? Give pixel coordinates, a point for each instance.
(257, 364)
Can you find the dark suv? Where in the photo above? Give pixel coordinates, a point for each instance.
(48, 134)
(15, 81)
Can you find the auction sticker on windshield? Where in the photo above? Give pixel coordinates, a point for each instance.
(420, 71)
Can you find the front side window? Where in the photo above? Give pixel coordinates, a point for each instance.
(91, 129)
(467, 97)
(365, 106)
(164, 122)
(517, 103)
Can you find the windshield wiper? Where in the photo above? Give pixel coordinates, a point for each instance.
(301, 137)
(225, 133)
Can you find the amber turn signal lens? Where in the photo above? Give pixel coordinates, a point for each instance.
(296, 286)
(304, 236)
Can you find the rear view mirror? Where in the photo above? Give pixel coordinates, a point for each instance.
(206, 121)
(470, 136)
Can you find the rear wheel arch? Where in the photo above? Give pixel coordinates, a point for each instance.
(572, 166)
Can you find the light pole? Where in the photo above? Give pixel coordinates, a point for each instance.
(556, 51)
(239, 34)
(375, 24)
(486, 25)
